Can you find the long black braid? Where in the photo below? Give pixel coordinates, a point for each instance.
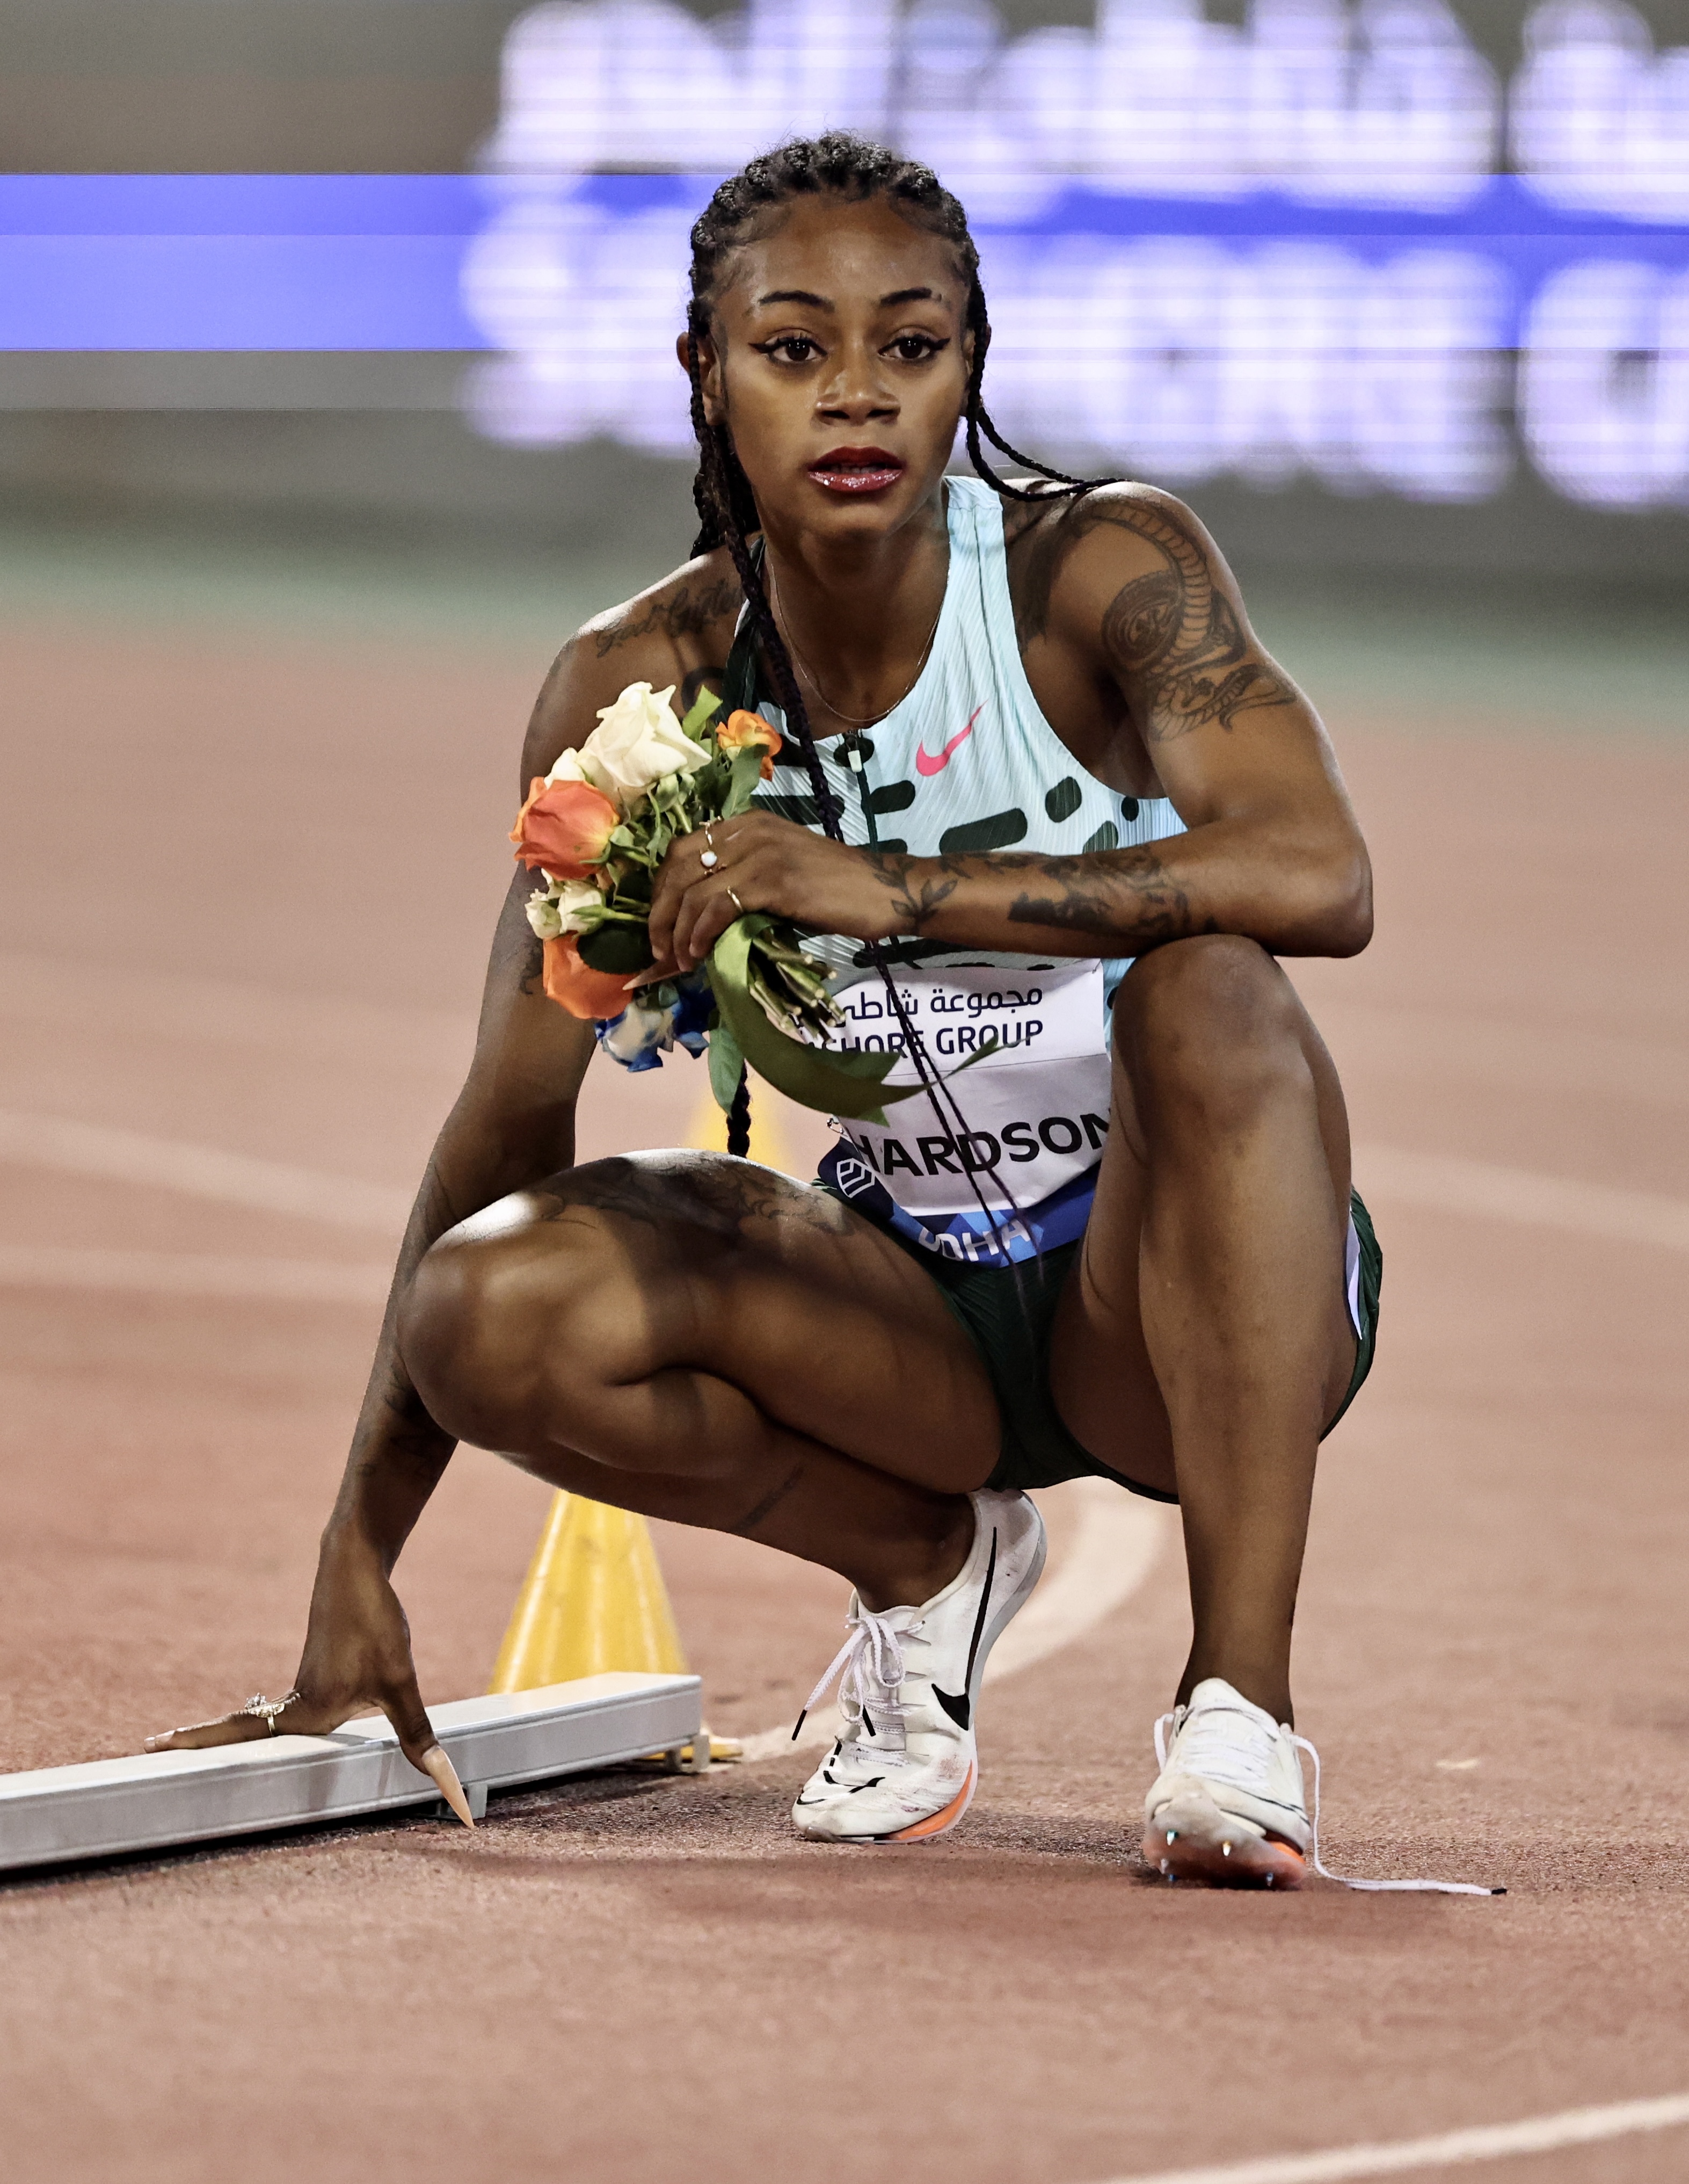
(837, 165)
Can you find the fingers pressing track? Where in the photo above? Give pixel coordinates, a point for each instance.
(404, 1709)
(436, 1763)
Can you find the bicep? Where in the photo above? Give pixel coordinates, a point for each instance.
(1226, 729)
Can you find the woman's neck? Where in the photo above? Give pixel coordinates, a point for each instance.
(859, 616)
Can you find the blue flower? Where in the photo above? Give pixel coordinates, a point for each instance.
(679, 1009)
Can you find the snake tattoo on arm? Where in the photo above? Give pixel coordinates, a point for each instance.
(1172, 636)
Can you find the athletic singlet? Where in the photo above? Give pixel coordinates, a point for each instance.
(967, 762)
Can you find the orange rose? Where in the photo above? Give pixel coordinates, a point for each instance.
(743, 732)
(577, 987)
(564, 828)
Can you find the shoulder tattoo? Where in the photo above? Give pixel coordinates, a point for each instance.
(1172, 633)
(684, 612)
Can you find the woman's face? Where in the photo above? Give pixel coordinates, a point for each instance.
(839, 360)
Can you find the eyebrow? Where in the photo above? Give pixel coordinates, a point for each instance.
(825, 303)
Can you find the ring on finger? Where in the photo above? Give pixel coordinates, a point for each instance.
(734, 897)
(266, 1710)
(708, 858)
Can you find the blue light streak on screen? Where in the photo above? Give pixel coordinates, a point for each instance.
(374, 262)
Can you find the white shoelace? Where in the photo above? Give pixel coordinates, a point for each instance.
(1256, 1753)
(871, 1659)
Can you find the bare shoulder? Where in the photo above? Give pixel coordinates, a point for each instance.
(1070, 557)
(677, 631)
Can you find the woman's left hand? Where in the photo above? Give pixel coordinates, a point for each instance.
(758, 862)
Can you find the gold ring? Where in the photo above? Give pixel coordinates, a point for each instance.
(738, 905)
(707, 857)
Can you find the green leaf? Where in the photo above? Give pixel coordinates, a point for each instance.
(848, 1084)
(703, 710)
(726, 1062)
(748, 771)
(616, 946)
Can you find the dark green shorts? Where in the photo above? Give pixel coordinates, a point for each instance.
(1009, 1314)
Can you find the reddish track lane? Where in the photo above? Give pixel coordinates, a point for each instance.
(637, 1978)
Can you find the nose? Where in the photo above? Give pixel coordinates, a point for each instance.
(859, 391)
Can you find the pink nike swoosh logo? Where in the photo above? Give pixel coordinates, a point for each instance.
(926, 765)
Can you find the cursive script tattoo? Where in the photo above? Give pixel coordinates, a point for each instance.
(1172, 636)
(683, 612)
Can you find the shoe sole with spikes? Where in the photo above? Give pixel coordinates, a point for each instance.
(1191, 1839)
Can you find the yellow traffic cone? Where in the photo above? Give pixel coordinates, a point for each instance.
(593, 1600)
(769, 1139)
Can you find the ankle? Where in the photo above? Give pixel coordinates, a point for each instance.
(1267, 1689)
(912, 1570)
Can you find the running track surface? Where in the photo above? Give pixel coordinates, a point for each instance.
(247, 880)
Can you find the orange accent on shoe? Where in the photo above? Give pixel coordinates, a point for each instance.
(939, 1821)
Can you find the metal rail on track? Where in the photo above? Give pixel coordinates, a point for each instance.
(154, 1801)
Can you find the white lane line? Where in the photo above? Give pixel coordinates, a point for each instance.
(1444, 1184)
(267, 1186)
(1113, 1550)
(181, 1273)
(1447, 2150)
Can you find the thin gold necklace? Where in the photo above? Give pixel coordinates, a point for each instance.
(871, 719)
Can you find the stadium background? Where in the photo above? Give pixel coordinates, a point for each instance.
(1276, 260)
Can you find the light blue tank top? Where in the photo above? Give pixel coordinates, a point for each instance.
(967, 762)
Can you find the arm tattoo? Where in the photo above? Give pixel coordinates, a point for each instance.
(1117, 895)
(1126, 894)
(1175, 634)
(915, 906)
(1172, 634)
(685, 614)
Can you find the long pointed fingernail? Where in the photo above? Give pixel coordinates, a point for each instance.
(451, 1789)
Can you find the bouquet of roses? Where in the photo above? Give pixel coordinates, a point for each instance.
(596, 829)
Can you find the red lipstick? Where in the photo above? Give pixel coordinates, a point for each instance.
(857, 470)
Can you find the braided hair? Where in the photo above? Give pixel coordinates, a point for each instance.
(853, 167)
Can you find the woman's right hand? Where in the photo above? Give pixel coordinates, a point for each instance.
(357, 1660)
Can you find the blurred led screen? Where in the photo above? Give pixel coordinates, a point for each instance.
(1330, 241)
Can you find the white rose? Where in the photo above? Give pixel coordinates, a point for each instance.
(571, 897)
(542, 914)
(637, 741)
(557, 908)
(569, 768)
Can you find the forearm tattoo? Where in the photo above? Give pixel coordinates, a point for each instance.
(1123, 895)
(1171, 637)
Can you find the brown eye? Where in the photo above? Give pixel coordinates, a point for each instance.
(916, 348)
(791, 348)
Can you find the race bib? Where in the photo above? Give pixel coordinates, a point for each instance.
(1035, 1104)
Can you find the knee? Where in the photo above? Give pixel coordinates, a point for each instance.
(485, 1316)
(459, 1338)
(1207, 1029)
